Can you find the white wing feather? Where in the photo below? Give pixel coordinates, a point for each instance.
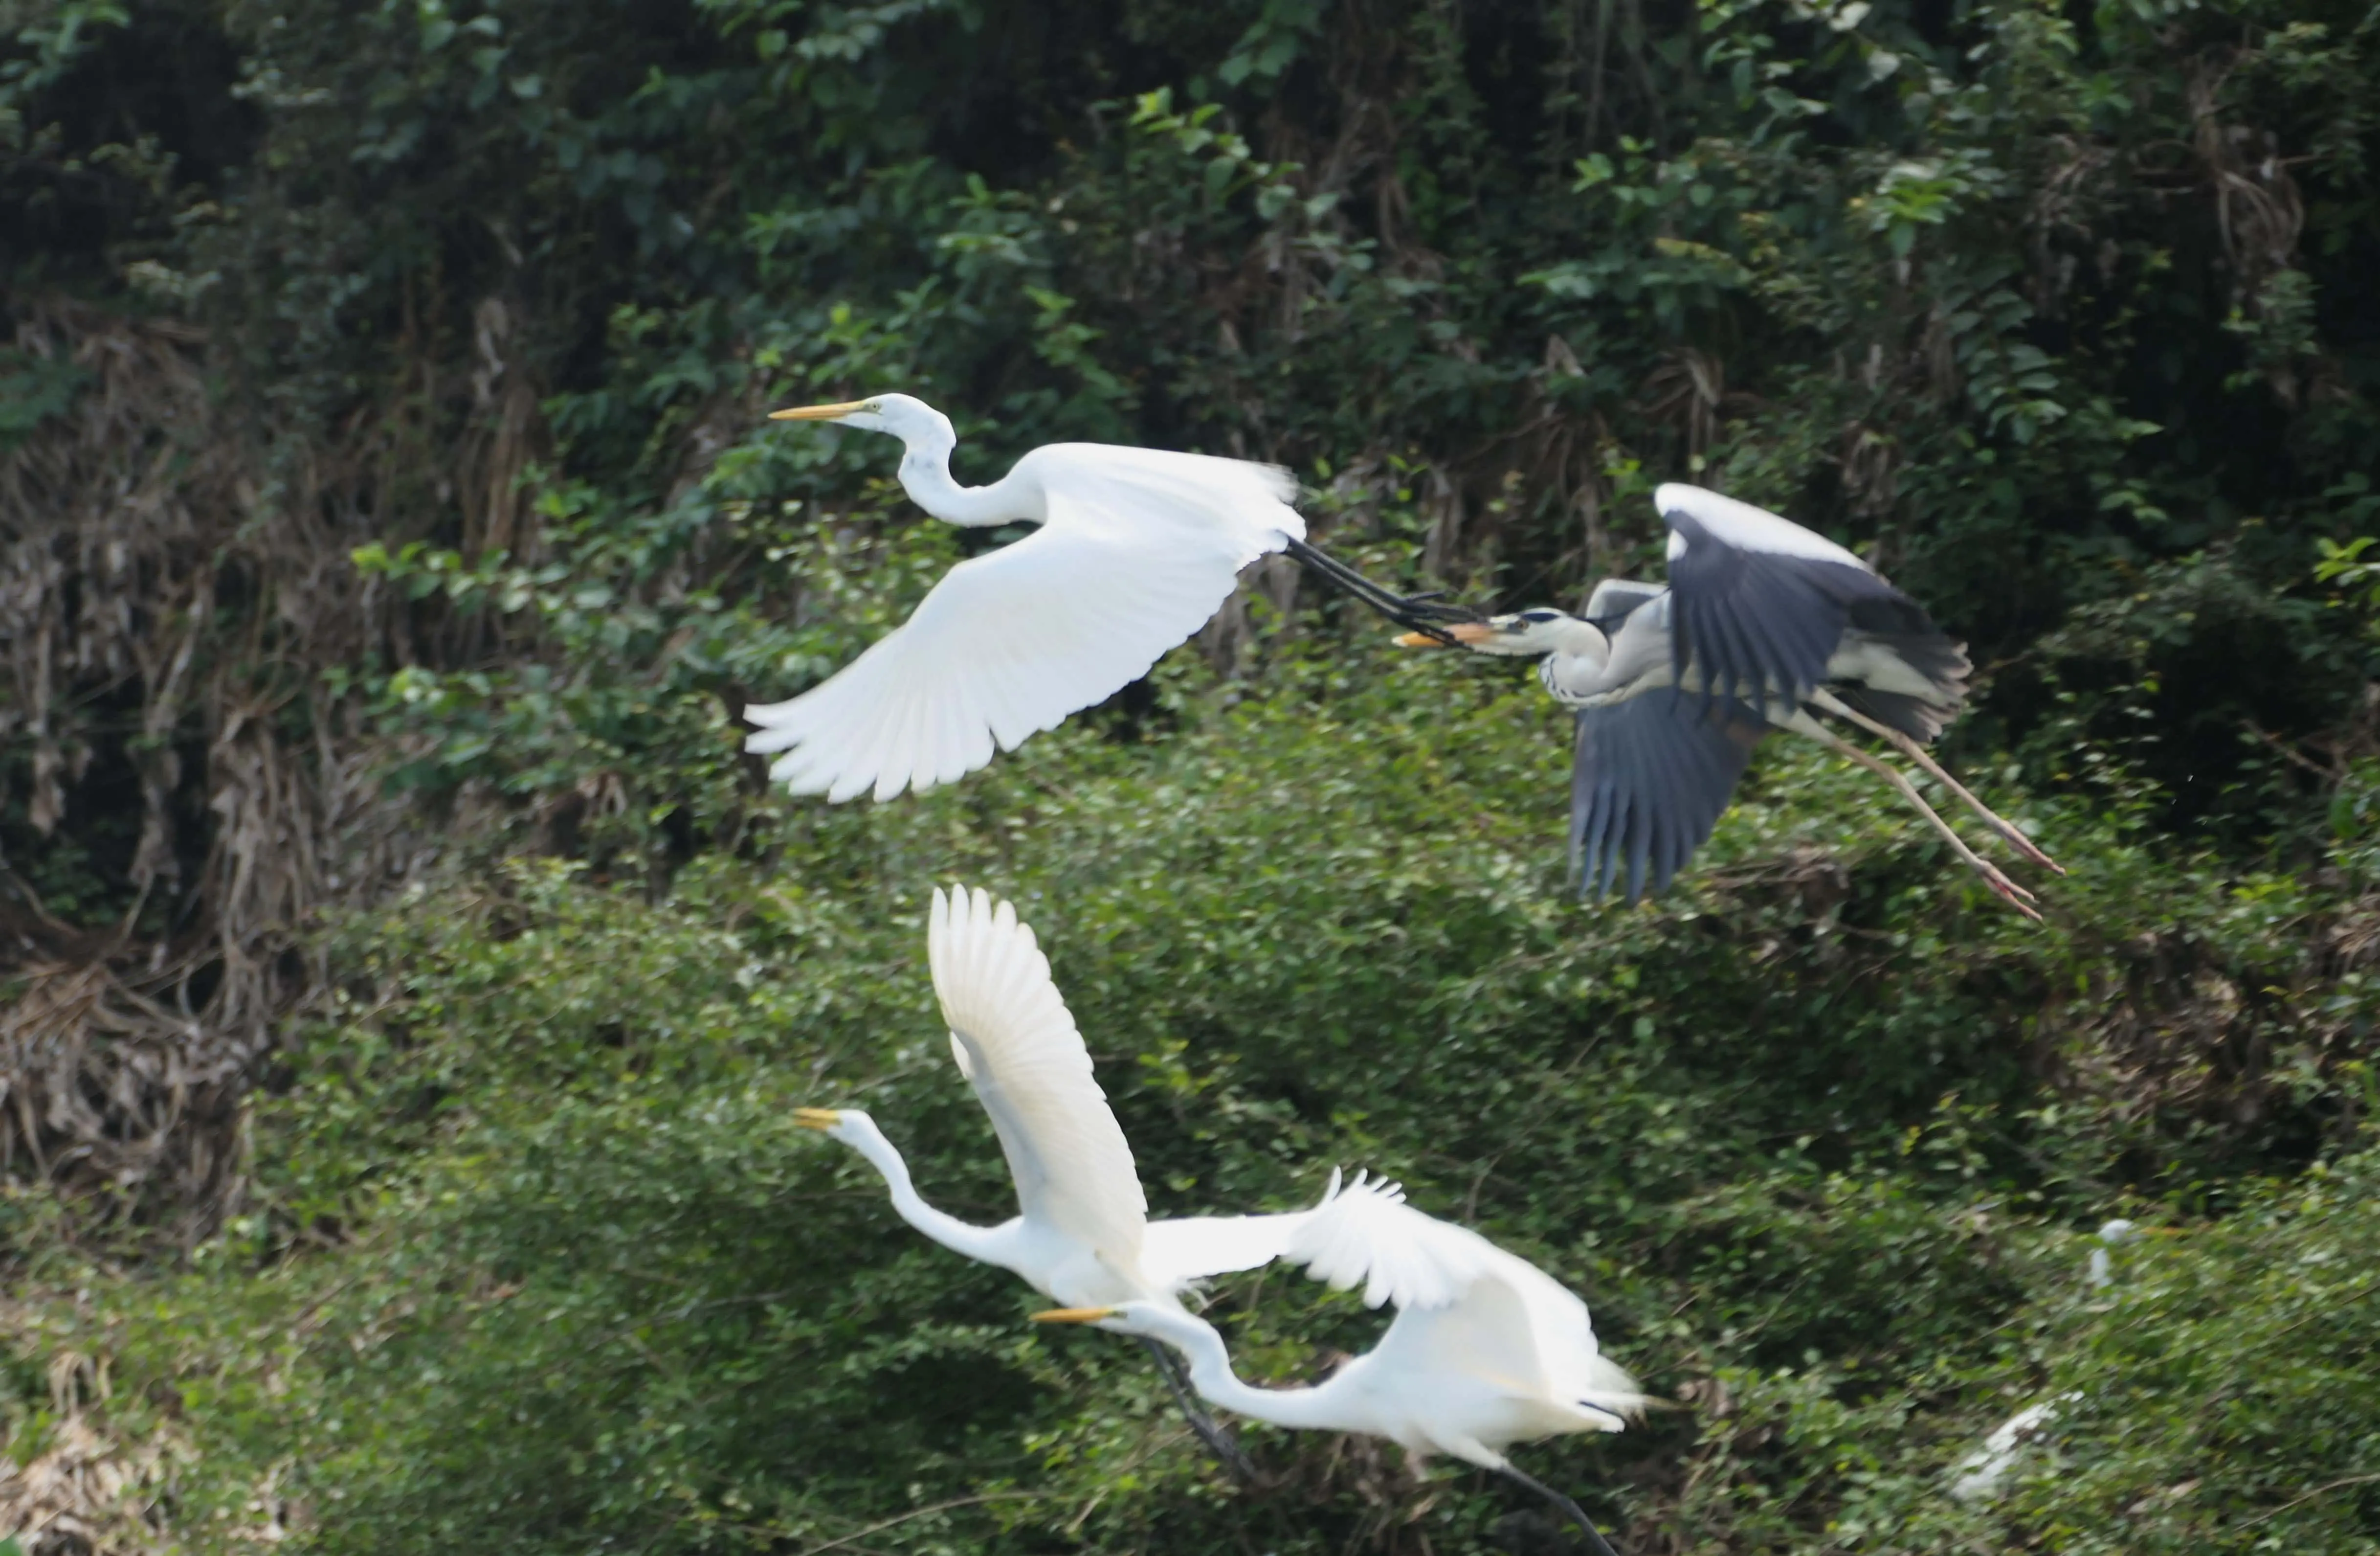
(1741, 525)
(1017, 1045)
(1370, 1236)
(1176, 1252)
(1465, 1306)
(1138, 550)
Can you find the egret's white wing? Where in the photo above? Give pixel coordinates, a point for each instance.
(1139, 547)
(1370, 1236)
(1017, 1045)
(1526, 1339)
(1176, 1252)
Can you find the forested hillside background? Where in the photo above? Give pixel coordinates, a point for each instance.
(406, 982)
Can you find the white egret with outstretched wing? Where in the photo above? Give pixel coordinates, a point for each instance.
(1136, 549)
(1082, 1233)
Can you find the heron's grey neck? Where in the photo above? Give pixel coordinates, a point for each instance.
(926, 477)
(1635, 656)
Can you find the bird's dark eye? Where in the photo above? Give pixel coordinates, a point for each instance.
(1539, 618)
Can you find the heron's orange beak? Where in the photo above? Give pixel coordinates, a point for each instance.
(817, 1118)
(819, 413)
(1074, 1315)
(1461, 631)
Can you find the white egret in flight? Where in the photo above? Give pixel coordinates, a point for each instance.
(1486, 1349)
(1082, 1234)
(1762, 626)
(1136, 549)
(1982, 1473)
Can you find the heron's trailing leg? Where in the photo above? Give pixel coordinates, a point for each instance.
(1595, 1540)
(1216, 1439)
(1918, 754)
(1417, 612)
(2017, 896)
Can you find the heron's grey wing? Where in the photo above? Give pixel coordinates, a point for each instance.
(1649, 778)
(1614, 597)
(1759, 603)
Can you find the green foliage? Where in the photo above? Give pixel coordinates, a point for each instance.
(535, 1256)
(33, 390)
(2061, 312)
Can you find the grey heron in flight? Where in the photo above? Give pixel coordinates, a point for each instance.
(1135, 549)
(1762, 626)
(1486, 1350)
(1082, 1233)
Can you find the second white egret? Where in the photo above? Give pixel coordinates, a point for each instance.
(1486, 1350)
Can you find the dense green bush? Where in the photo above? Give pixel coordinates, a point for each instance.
(2062, 312)
(536, 1258)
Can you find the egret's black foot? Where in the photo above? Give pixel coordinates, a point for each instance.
(1417, 612)
(1595, 1540)
(1218, 1439)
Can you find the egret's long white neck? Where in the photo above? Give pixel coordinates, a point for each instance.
(1327, 1406)
(984, 1243)
(926, 477)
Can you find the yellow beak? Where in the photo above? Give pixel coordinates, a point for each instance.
(819, 413)
(817, 1118)
(1074, 1315)
(1461, 631)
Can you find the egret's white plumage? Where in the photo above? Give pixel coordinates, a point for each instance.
(1082, 1233)
(1486, 1349)
(1136, 549)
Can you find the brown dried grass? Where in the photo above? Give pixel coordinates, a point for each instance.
(168, 598)
(76, 1485)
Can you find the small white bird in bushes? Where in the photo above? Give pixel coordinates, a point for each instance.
(1983, 1473)
(1762, 626)
(1486, 1349)
(1138, 547)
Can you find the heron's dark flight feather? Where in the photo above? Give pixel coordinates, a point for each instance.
(1762, 625)
(1913, 716)
(1933, 655)
(1649, 778)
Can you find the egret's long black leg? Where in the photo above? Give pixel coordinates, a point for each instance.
(1216, 1439)
(1578, 1514)
(1416, 612)
(2016, 896)
(1919, 755)
(1387, 603)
